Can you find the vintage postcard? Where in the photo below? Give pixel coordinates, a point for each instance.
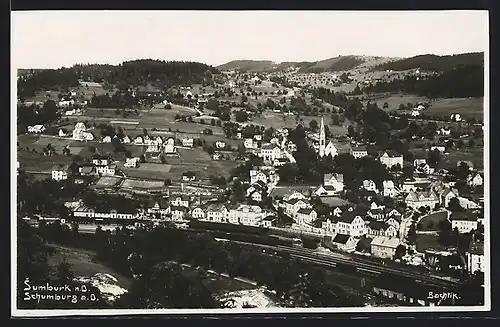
(201, 162)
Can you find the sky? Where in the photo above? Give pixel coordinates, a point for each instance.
(53, 39)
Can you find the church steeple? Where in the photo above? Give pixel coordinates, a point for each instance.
(322, 138)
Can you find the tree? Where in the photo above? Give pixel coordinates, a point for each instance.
(313, 124)
(444, 233)
(412, 234)
(402, 106)
(454, 205)
(434, 158)
(241, 116)
(400, 251)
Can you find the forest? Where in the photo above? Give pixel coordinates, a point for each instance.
(461, 82)
(130, 73)
(430, 62)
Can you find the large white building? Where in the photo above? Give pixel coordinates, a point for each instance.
(391, 159)
(270, 152)
(60, 172)
(463, 221)
(475, 258)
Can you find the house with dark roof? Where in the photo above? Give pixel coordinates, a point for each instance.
(268, 221)
(351, 223)
(464, 221)
(384, 247)
(379, 228)
(359, 152)
(344, 242)
(60, 172)
(391, 158)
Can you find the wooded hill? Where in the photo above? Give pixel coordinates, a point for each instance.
(429, 62)
(160, 73)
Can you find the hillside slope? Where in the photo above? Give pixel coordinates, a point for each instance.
(248, 65)
(433, 62)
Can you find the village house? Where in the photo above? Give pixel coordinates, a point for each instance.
(80, 133)
(419, 161)
(417, 199)
(474, 180)
(180, 200)
(84, 212)
(216, 212)
(292, 206)
(389, 189)
(415, 113)
(425, 169)
(60, 172)
(62, 132)
(36, 129)
(249, 144)
(126, 140)
(291, 147)
(106, 139)
(351, 223)
(379, 228)
(178, 213)
(161, 207)
(344, 242)
(131, 162)
(188, 142)
(411, 184)
(384, 247)
(220, 144)
(336, 212)
(257, 137)
(444, 131)
(169, 146)
(198, 213)
(446, 195)
(256, 175)
(463, 221)
(475, 257)
(138, 140)
(216, 156)
(306, 216)
(394, 221)
(391, 159)
(440, 148)
(359, 152)
(334, 180)
(329, 225)
(188, 176)
(270, 152)
(376, 213)
(268, 221)
(370, 185)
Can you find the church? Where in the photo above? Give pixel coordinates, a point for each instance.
(325, 149)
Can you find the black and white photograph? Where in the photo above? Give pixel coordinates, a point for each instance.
(229, 162)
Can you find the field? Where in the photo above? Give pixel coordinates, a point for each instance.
(30, 161)
(83, 264)
(148, 170)
(108, 181)
(430, 222)
(466, 107)
(111, 113)
(144, 184)
(474, 155)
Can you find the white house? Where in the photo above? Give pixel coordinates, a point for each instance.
(344, 242)
(169, 146)
(106, 139)
(306, 216)
(178, 213)
(359, 152)
(440, 148)
(415, 113)
(216, 156)
(180, 201)
(250, 144)
(220, 144)
(188, 142)
(334, 180)
(370, 185)
(132, 162)
(62, 132)
(331, 150)
(351, 223)
(475, 180)
(389, 188)
(60, 172)
(270, 152)
(198, 213)
(139, 140)
(379, 228)
(36, 129)
(126, 140)
(455, 117)
(419, 161)
(217, 212)
(463, 221)
(384, 247)
(294, 205)
(417, 199)
(390, 159)
(256, 175)
(444, 131)
(268, 221)
(108, 170)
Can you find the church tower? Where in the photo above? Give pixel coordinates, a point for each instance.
(322, 138)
